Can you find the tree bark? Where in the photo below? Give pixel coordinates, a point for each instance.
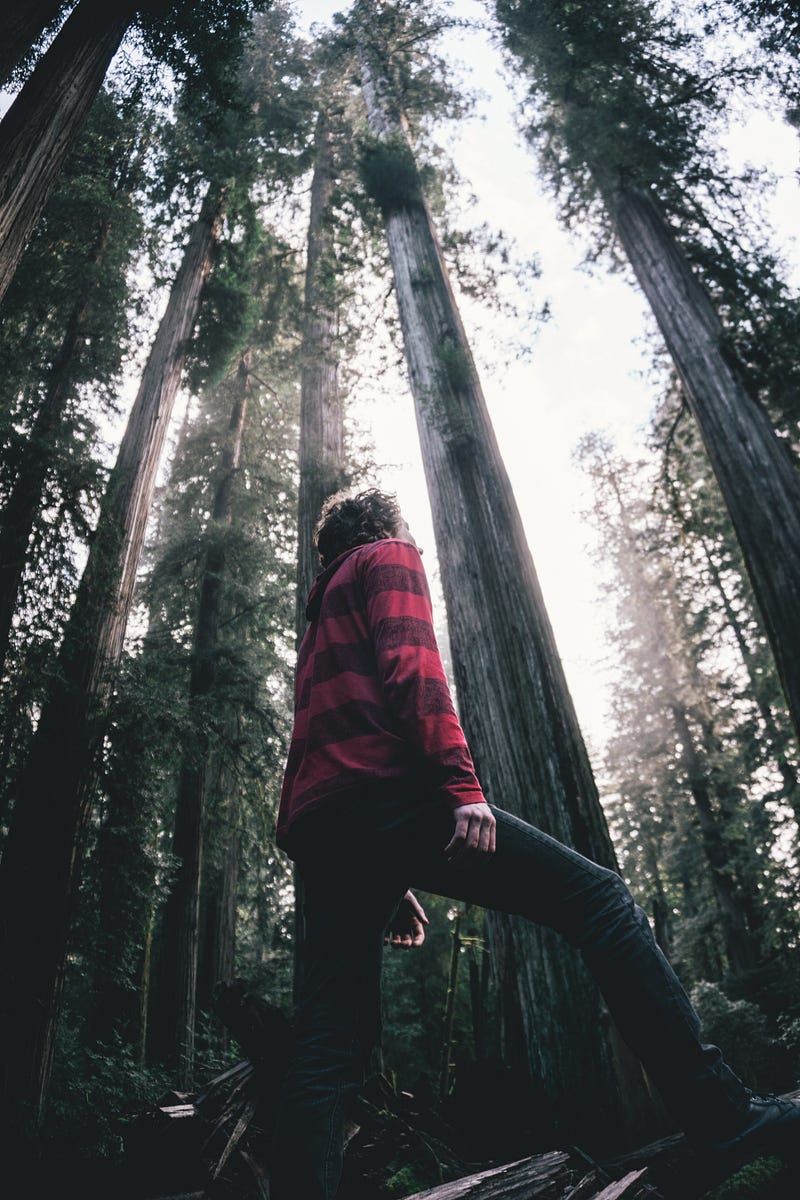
(740, 948)
(322, 465)
(181, 921)
(218, 943)
(39, 129)
(791, 791)
(21, 24)
(127, 884)
(516, 709)
(758, 481)
(19, 512)
(450, 1010)
(40, 870)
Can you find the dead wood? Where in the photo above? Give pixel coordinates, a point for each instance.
(220, 1137)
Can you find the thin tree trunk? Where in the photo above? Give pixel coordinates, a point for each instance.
(21, 24)
(40, 869)
(218, 946)
(758, 481)
(126, 873)
(217, 958)
(19, 512)
(791, 791)
(181, 922)
(322, 466)
(450, 1009)
(39, 129)
(740, 948)
(516, 709)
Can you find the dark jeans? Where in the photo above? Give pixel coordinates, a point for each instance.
(357, 863)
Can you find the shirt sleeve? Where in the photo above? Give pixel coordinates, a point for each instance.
(400, 618)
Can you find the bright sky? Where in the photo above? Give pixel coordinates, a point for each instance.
(589, 369)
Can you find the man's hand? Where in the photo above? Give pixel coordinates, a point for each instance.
(473, 842)
(407, 927)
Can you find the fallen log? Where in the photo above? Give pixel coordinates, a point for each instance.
(550, 1175)
(219, 1139)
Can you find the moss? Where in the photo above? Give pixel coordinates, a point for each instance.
(404, 1183)
(388, 171)
(455, 366)
(764, 1179)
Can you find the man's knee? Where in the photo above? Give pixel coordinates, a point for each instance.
(601, 910)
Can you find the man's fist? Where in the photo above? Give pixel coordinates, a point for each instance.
(407, 925)
(474, 839)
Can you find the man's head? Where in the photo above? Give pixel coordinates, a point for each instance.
(348, 521)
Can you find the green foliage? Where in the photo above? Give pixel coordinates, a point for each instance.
(255, 134)
(764, 1179)
(618, 94)
(415, 990)
(700, 835)
(739, 1027)
(622, 95)
(404, 35)
(253, 281)
(455, 367)
(404, 1182)
(388, 172)
(99, 1092)
(68, 327)
(205, 54)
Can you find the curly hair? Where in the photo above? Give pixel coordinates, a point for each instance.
(347, 521)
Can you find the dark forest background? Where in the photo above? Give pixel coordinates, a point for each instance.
(207, 221)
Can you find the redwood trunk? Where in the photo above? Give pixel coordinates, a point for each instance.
(220, 891)
(322, 466)
(19, 512)
(40, 871)
(516, 709)
(127, 884)
(21, 25)
(181, 923)
(40, 127)
(219, 942)
(758, 480)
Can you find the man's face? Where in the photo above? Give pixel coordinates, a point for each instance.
(404, 534)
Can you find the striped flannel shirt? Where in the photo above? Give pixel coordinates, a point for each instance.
(371, 697)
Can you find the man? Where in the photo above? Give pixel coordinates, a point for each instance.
(380, 794)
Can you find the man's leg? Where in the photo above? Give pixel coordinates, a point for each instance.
(337, 1025)
(536, 877)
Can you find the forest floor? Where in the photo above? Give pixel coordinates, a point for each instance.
(210, 1147)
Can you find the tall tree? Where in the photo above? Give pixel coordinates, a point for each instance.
(45, 118)
(515, 705)
(40, 869)
(21, 24)
(620, 125)
(322, 459)
(321, 445)
(182, 912)
(669, 670)
(61, 342)
(38, 130)
(703, 544)
(284, 112)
